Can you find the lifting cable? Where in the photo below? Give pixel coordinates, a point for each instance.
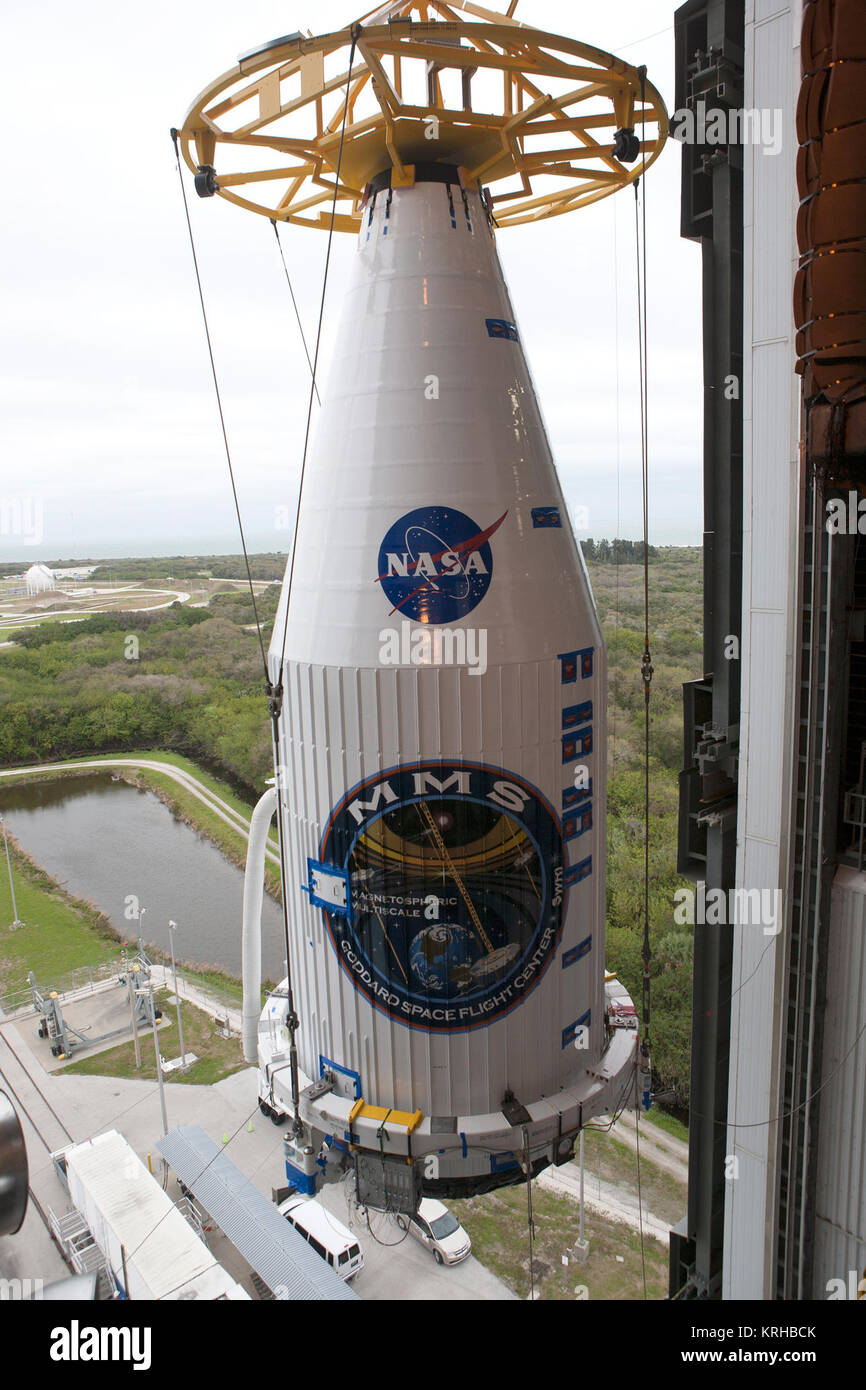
(617, 542)
(275, 691)
(646, 667)
(530, 1219)
(291, 1016)
(174, 138)
(295, 307)
(356, 31)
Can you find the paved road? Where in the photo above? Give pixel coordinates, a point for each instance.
(226, 813)
(11, 622)
(610, 1200)
(661, 1148)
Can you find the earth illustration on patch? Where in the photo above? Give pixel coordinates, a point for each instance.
(448, 959)
(441, 955)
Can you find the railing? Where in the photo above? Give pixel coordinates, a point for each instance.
(80, 1250)
(193, 987)
(193, 1215)
(83, 978)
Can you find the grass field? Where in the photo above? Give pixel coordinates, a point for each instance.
(497, 1226)
(607, 1158)
(669, 1123)
(60, 933)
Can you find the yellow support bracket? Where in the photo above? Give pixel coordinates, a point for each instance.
(403, 178)
(361, 1110)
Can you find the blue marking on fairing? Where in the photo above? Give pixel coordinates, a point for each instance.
(576, 714)
(578, 872)
(570, 1033)
(502, 328)
(572, 796)
(545, 516)
(325, 1064)
(576, 745)
(577, 822)
(574, 663)
(577, 952)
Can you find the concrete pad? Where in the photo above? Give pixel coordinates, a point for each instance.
(102, 1012)
(397, 1268)
(179, 1063)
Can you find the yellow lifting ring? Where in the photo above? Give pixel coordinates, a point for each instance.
(546, 123)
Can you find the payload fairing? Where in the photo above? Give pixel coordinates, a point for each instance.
(439, 664)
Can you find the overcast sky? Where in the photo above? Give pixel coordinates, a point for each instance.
(110, 438)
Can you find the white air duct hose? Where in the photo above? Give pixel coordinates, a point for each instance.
(251, 942)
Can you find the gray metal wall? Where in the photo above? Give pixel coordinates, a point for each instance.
(771, 528)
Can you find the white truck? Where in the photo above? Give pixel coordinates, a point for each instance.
(151, 1249)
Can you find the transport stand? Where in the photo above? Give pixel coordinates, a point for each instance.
(65, 1039)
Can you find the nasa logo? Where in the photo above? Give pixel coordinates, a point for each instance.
(453, 901)
(435, 564)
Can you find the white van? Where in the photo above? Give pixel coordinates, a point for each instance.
(327, 1236)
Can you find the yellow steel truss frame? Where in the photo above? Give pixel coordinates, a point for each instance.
(279, 113)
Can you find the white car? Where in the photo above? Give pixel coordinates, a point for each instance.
(439, 1230)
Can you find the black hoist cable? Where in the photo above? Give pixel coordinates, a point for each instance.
(356, 32)
(646, 666)
(275, 691)
(295, 306)
(228, 452)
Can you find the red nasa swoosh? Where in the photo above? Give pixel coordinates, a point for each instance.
(462, 548)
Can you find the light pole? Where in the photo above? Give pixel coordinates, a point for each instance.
(133, 999)
(15, 922)
(172, 928)
(158, 1063)
(581, 1215)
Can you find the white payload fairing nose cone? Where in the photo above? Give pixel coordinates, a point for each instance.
(441, 741)
(443, 730)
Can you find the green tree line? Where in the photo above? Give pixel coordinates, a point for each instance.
(615, 552)
(197, 687)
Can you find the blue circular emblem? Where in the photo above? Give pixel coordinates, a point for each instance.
(435, 564)
(453, 893)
